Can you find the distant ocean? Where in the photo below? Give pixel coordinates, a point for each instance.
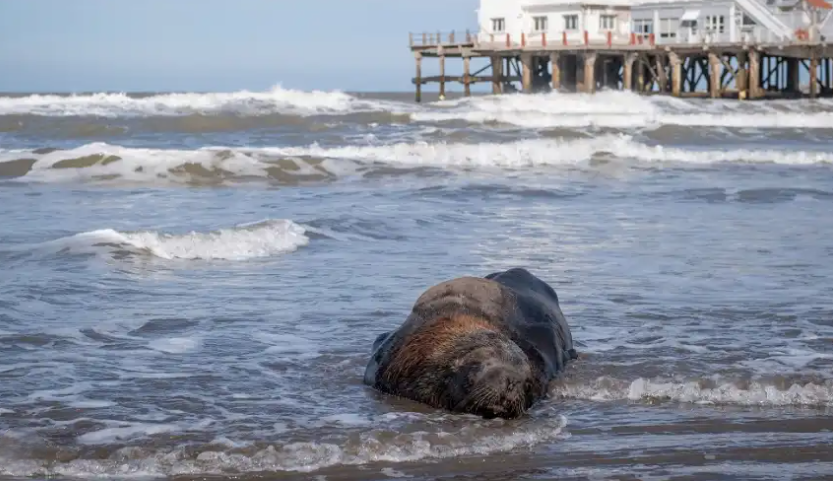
(191, 282)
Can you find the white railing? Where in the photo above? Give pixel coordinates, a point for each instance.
(573, 38)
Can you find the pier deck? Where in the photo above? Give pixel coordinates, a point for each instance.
(579, 63)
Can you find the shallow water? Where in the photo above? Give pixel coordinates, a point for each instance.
(192, 282)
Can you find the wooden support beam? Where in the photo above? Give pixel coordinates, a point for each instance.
(754, 83)
(676, 74)
(814, 67)
(418, 57)
(526, 61)
(589, 73)
(627, 71)
(792, 75)
(466, 76)
(555, 62)
(714, 75)
(728, 74)
(640, 75)
(442, 77)
(655, 77)
(661, 75)
(741, 77)
(497, 74)
(473, 79)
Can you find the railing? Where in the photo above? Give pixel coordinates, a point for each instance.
(575, 38)
(564, 39)
(434, 39)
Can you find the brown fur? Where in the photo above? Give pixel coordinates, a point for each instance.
(430, 344)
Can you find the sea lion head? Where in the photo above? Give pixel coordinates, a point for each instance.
(463, 364)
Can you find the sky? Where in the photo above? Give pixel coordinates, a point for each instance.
(218, 45)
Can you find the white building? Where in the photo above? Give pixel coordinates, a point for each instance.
(516, 23)
(728, 21)
(533, 21)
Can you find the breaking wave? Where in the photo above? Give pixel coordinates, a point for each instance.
(556, 151)
(712, 390)
(609, 109)
(275, 100)
(229, 457)
(247, 241)
(105, 162)
(614, 109)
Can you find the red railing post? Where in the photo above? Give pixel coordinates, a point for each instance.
(609, 39)
(652, 38)
(586, 38)
(564, 38)
(523, 39)
(633, 38)
(544, 39)
(508, 42)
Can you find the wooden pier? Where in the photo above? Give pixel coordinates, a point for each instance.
(636, 63)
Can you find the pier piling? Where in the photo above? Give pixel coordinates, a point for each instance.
(442, 75)
(555, 66)
(590, 73)
(676, 74)
(533, 62)
(418, 79)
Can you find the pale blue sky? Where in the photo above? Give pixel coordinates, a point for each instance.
(199, 45)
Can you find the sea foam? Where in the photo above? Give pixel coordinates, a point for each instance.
(713, 390)
(611, 109)
(363, 447)
(624, 110)
(105, 162)
(277, 100)
(262, 239)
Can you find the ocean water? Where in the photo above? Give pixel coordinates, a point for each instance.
(191, 282)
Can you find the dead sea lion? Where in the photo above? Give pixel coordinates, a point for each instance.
(486, 346)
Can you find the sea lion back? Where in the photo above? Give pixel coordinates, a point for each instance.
(538, 316)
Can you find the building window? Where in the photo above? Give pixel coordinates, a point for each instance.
(498, 24)
(715, 23)
(570, 22)
(667, 28)
(643, 27)
(607, 22)
(540, 24)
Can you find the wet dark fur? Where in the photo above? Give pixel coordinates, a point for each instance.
(487, 346)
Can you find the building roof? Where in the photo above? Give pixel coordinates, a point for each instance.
(820, 4)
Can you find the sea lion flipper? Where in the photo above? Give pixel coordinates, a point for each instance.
(376, 355)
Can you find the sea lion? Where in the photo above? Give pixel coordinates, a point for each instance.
(487, 346)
